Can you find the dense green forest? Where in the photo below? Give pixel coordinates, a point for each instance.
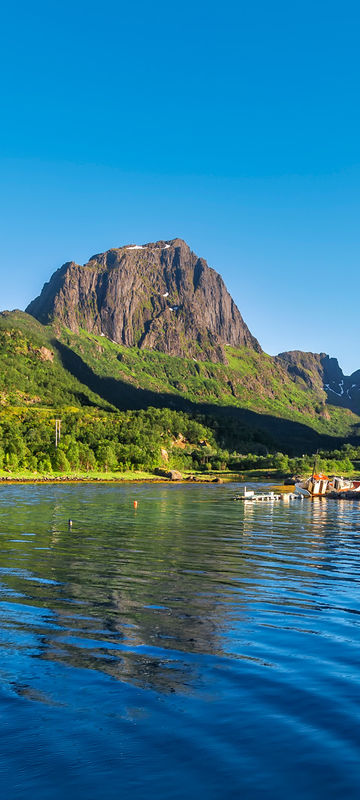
(129, 440)
(43, 365)
(125, 409)
(143, 440)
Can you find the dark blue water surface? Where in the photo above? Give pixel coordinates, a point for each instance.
(194, 647)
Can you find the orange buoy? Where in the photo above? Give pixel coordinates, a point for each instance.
(135, 503)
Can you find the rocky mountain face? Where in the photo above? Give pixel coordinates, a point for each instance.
(319, 371)
(158, 296)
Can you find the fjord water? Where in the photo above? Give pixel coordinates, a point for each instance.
(193, 647)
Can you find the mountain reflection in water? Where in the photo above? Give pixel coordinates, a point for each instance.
(211, 645)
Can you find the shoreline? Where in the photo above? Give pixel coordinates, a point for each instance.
(133, 477)
(46, 481)
(219, 478)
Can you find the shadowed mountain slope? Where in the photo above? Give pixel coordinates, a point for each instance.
(254, 394)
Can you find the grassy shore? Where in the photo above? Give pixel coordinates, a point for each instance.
(251, 476)
(25, 476)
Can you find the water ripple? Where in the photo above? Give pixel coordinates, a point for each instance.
(194, 646)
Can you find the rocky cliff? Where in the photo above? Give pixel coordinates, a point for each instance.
(159, 296)
(320, 371)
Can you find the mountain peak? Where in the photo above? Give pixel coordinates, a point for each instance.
(148, 247)
(158, 296)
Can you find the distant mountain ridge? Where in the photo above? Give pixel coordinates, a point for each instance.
(157, 296)
(319, 370)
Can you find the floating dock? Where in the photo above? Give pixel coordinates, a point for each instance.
(266, 497)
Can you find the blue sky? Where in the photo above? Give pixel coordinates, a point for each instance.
(234, 126)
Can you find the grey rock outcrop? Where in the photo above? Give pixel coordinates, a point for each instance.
(159, 296)
(320, 371)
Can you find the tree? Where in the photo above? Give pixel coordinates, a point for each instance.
(87, 457)
(106, 457)
(11, 462)
(73, 454)
(281, 462)
(45, 465)
(60, 461)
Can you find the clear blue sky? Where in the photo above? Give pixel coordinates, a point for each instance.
(235, 126)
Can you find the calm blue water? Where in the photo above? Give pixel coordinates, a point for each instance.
(191, 648)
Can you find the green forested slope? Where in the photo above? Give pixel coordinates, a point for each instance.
(251, 381)
(248, 405)
(31, 370)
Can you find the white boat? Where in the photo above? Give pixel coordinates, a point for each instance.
(320, 485)
(339, 485)
(315, 486)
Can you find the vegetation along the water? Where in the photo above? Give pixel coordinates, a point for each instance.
(134, 444)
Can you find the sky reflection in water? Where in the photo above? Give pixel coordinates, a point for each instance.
(193, 646)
